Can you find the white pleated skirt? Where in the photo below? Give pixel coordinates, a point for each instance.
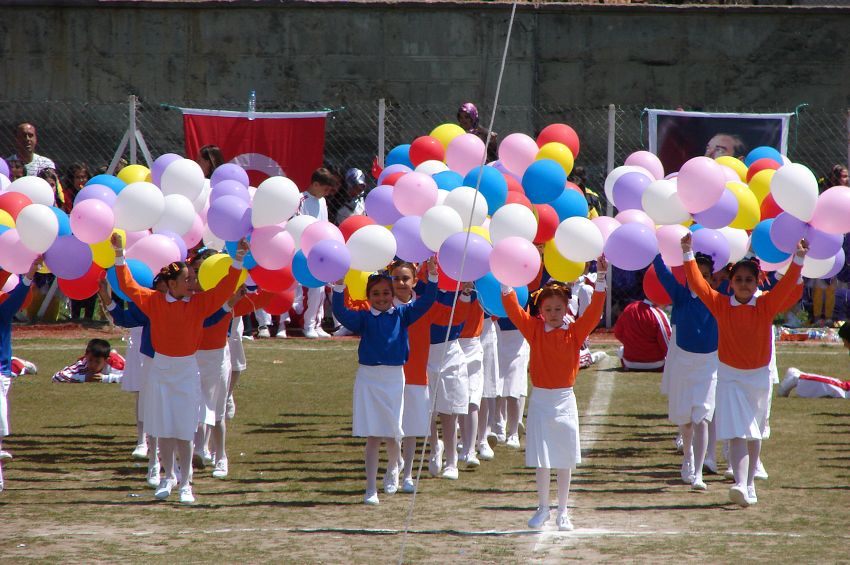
(447, 377)
(144, 369)
(552, 432)
(691, 386)
(514, 354)
(234, 342)
(672, 348)
(172, 397)
(416, 414)
(474, 354)
(5, 384)
(492, 386)
(214, 366)
(378, 401)
(133, 359)
(741, 402)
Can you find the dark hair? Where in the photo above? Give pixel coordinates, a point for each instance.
(377, 278)
(834, 176)
(401, 264)
(202, 256)
(47, 173)
(212, 153)
(171, 271)
(751, 264)
(703, 259)
(844, 331)
(553, 289)
(324, 176)
(72, 170)
(99, 348)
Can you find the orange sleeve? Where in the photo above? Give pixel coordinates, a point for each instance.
(251, 302)
(784, 290)
(212, 299)
(140, 296)
(588, 321)
(520, 318)
(700, 286)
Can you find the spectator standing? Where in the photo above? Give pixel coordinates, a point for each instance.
(76, 177)
(355, 196)
(26, 140)
(467, 117)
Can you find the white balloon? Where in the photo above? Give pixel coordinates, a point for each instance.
(812, 268)
(441, 197)
(36, 189)
(138, 206)
(296, 227)
(276, 200)
(4, 182)
(437, 224)
(431, 167)
(371, 248)
(739, 243)
(184, 177)
(211, 240)
(795, 190)
(661, 203)
(469, 204)
(203, 199)
(614, 175)
(578, 239)
(513, 220)
(178, 216)
(37, 227)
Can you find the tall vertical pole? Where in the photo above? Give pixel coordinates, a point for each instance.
(133, 129)
(382, 113)
(612, 132)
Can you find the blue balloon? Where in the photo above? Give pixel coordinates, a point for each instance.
(113, 182)
(302, 272)
(570, 203)
(544, 181)
(695, 227)
(248, 262)
(489, 291)
(763, 152)
(448, 180)
(142, 274)
(3, 229)
(64, 221)
(763, 246)
(492, 186)
(399, 155)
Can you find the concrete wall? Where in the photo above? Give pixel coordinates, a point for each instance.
(325, 53)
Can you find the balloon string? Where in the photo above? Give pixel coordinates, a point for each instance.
(439, 376)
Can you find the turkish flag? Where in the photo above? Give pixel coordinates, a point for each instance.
(290, 144)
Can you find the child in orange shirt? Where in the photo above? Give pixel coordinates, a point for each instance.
(552, 431)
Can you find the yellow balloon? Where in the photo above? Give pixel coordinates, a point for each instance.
(6, 219)
(749, 211)
(559, 153)
(687, 223)
(559, 267)
(133, 173)
(482, 231)
(356, 281)
(735, 164)
(215, 268)
(102, 254)
(445, 133)
(760, 184)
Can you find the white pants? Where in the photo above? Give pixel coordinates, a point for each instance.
(315, 310)
(5, 383)
(263, 317)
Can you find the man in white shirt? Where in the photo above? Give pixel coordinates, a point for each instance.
(26, 139)
(313, 204)
(355, 204)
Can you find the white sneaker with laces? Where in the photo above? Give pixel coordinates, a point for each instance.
(563, 522)
(263, 332)
(281, 333)
(485, 452)
(435, 464)
(5, 455)
(751, 495)
(472, 460)
(186, 496)
(164, 489)
(501, 438)
(391, 481)
(310, 334)
(231, 408)
(153, 475)
(539, 519)
(408, 486)
(792, 377)
(220, 470)
(322, 333)
(761, 472)
(371, 499)
(739, 496)
(141, 451)
(687, 471)
(698, 484)
(513, 442)
(450, 473)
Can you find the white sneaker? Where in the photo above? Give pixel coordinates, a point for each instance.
(263, 332)
(186, 496)
(687, 471)
(281, 333)
(391, 481)
(513, 442)
(709, 466)
(751, 495)
(141, 451)
(5, 455)
(247, 337)
(485, 452)
(680, 444)
(739, 496)
(311, 334)
(220, 470)
(164, 489)
(371, 499)
(435, 464)
(343, 331)
(563, 522)
(792, 377)
(761, 473)
(450, 473)
(698, 484)
(153, 475)
(322, 333)
(408, 486)
(501, 438)
(472, 460)
(30, 368)
(202, 459)
(231, 408)
(539, 519)
(729, 473)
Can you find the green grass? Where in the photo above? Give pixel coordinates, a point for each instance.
(74, 495)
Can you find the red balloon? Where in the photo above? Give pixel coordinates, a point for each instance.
(353, 223)
(281, 302)
(652, 288)
(560, 133)
(513, 184)
(444, 281)
(518, 198)
(769, 208)
(83, 287)
(761, 165)
(426, 148)
(547, 223)
(391, 179)
(272, 281)
(13, 203)
(679, 273)
(574, 186)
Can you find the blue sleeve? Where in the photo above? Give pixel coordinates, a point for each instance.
(216, 317)
(420, 288)
(131, 317)
(351, 319)
(15, 300)
(421, 305)
(666, 278)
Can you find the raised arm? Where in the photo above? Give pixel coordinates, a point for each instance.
(16, 298)
(212, 299)
(140, 296)
(696, 283)
(251, 302)
(588, 321)
(666, 278)
(424, 301)
(777, 299)
(351, 319)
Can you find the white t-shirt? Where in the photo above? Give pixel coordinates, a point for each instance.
(312, 206)
(38, 162)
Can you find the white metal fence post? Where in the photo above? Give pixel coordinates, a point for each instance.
(612, 132)
(382, 113)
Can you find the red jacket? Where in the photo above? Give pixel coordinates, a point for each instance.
(644, 331)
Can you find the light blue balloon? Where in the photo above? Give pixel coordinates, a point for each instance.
(489, 291)
(302, 273)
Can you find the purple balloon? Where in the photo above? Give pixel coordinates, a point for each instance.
(714, 244)
(161, 164)
(786, 231)
(631, 247)
(477, 261)
(628, 191)
(230, 188)
(229, 171)
(178, 241)
(4, 168)
(68, 257)
(397, 168)
(96, 192)
(840, 260)
(380, 207)
(822, 245)
(409, 244)
(329, 260)
(721, 213)
(229, 218)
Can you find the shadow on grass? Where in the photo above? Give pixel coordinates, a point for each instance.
(841, 487)
(308, 415)
(662, 507)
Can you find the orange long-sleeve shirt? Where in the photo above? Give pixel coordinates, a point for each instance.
(419, 339)
(744, 331)
(177, 327)
(215, 336)
(474, 324)
(554, 353)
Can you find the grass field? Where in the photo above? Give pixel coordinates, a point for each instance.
(294, 494)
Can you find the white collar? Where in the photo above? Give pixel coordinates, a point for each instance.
(565, 326)
(734, 301)
(398, 302)
(169, 298)
(378, 312)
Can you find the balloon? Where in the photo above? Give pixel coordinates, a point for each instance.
(13, 202)
(133, 173)
(735, 164)
(448, 180)
(353, 223)
(712, 243)
(202, 202)
(184, 177)
(445, 133)
(276, 280)
(414, 193)
(35, 188)
(519, 198)
(739, 243)
(489, 291)
(431, 167)
(701, 183)
(578, 239)
(68, 257)
(408, 240)
(670, 243)
(838, 264)
(513, 220)
(276, 200)
(319, 231)
(211, 240)
(786, 231)
(328, 260)
(606, 225)
(214, 269)
(159, 166)
(760, 165)
(156, 251)
(570, 203)
(380, 207)
(4, 168)
(464, 153)
(468, 266)
(6, 219)
(355, 283)
(426, 148)
(182, 251)
(749, 213)
(615, 175)
(470, 205)
(482, 231)
(763, 246)
(139, 206)
(661, 202)
(14, 256)
(272, 247)
(140, 272)
(769, 208)
(543, 181)
(230, 188)
(232, 247)
(302, 273)
(560, 133)
(392, 170)
(559, 267)
(437, 225)
(832, 213)
(628, 190)
(635, 216)
(371, 248)
(92, 221)
(631, 247)
(817, 268)
(38, 227)
(231, 172)
(96, 191)
(195, 234)
(559, 153)
(229, 218)
(178, 217)
(547, 223)
(113, 182)
(760, 184)
(822, 245)
(763, 152)
(491, 185)
(652, 288)
(102, 254)
(721, 213)
(83, 287)
(515, 261)
(296, 226)
(399, 155)
(517, 151)
(795, 189)
(281, 302)
(648, 161)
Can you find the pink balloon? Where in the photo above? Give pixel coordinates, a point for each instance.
(516, 152)
(635, 216)
(134, 237)
(648, 161)
(14, 256)
(156, 251)
(515, 261)
(319, 231)
(730, 174)
(195, 234)
(767, 267)
(415, 193)
(670, 243)
(273, 247)
(606, 225)
(464, 153)
(92, 221)
(832, 211)
(701, 183)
